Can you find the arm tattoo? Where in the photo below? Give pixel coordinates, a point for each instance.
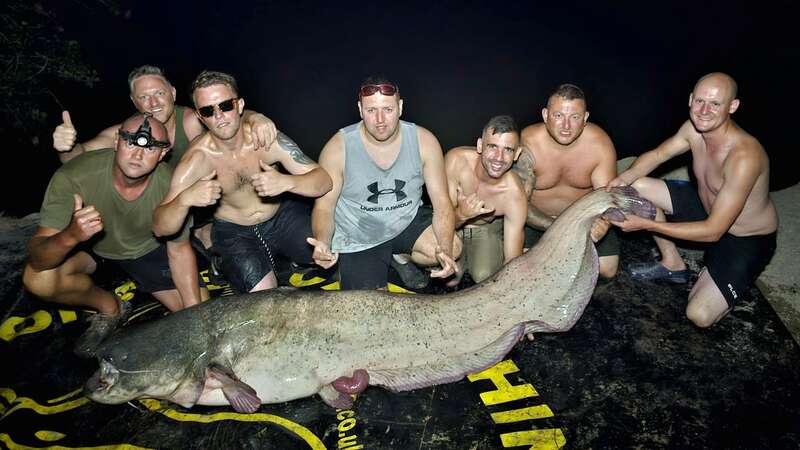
(289, 146)
(524, 169)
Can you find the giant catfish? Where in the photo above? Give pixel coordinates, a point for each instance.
(279, 345)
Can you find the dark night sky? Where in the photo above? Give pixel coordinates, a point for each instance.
(457, 63)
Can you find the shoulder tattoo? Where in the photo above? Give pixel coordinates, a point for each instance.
(523, 167)
(290, 147)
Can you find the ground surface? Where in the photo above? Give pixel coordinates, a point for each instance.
(632, 373)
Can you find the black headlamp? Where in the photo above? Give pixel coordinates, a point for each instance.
(142, 136)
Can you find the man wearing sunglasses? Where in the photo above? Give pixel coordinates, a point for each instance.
(373, 213)
(488, 198)
(150, 91)
(564, 158)
(98, 208)
(253, 223)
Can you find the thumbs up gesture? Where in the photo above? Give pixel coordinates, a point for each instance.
(204, 192)
(65, 134)
(86, 220)
(269, 182)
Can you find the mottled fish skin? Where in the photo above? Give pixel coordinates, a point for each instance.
(289, 344)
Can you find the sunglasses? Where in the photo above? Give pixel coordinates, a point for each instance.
(224, 106)
(370, 89)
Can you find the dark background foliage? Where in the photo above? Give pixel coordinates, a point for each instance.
(457, 63)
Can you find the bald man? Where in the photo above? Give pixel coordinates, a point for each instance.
(98, 209)
(730, 209)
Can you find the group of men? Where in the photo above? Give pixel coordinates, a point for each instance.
(241, 188)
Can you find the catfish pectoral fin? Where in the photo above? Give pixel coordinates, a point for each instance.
(240, 395)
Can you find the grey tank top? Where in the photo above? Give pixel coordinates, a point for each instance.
(376, 205)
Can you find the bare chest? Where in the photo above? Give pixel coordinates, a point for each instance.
(234, 172)
(707, 167)
(494, 196)
(564, 168)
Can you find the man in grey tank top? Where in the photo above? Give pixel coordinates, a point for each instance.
(373, 214)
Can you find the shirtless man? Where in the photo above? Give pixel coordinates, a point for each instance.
(489, 199)
(252, 224)
(150, 91)
(100, 207)
(378, 167)
(731, 208)
(564, 158)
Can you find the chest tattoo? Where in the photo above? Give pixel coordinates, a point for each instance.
(242, 181)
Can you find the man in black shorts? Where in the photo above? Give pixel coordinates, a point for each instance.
(731, 208)
(98, 207)
(256, 219)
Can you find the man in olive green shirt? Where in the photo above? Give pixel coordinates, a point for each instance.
(99, 207)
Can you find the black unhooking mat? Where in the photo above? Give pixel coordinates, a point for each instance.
(632, 373)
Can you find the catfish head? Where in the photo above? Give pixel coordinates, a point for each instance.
(626, 200)
(151, 360)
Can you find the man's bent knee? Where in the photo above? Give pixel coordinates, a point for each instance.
(701, 316)
(43, 284)
(609, 265)
(268, 282)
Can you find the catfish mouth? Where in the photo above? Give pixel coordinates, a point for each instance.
(99, 386)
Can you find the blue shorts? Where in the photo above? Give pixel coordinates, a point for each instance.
(734, 262)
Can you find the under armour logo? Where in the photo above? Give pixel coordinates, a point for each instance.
(397, 191)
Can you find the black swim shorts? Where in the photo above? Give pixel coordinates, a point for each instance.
(150, 272)
(247, 253)
(608, 246)
(734, 262)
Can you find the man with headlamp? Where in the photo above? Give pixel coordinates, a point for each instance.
(98, 208)
(151, 92)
